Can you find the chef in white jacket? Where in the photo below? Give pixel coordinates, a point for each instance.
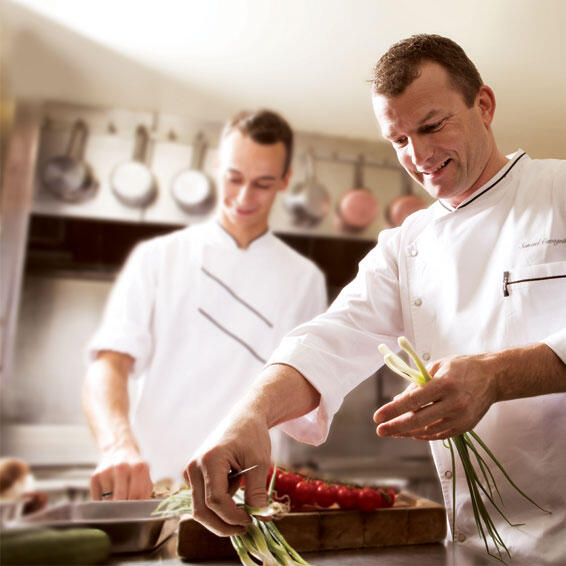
(194, 316)
(477, 282)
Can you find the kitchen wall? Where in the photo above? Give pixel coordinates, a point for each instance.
(66, 283)
(44, 60)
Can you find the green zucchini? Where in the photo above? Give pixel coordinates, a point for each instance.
(50, 546)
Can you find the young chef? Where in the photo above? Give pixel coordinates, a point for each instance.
(477, 282)
(194, 315)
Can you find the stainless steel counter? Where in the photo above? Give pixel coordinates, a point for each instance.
(447, 554)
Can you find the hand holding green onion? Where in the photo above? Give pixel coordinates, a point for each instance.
(463, 389)
(470, 448)
(262, 543)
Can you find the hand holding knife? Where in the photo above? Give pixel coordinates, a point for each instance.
(234, 474)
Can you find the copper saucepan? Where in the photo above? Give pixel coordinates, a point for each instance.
(401, 207)
(358, 207)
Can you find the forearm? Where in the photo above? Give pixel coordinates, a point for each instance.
(106, 403)
(527, 371)
(280, 394)
(121, 472)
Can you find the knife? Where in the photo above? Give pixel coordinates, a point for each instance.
(235, 474)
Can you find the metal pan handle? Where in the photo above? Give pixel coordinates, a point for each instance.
(359, 172)
(310, 159)
(199, 148)
(77, 141)
(141, 144)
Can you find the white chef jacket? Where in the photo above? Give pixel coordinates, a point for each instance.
(201, 316)
(488, 275)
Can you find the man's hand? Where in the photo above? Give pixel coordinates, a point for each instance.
(241, 441)
(461, 391)
(121, 474)
(464, 387)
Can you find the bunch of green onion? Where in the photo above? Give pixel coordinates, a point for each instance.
(469, 446)
(262, 543)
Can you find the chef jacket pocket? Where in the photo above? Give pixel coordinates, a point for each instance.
(535, 299)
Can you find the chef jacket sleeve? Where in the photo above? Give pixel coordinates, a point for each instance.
(337, 350)
(126, 321)
(318, 297)
(557, 342)
(313, 299)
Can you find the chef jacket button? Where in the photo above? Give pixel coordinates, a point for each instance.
(413, 251)
(448, 474)
(417, 302)
(426, 356)
(461, 537)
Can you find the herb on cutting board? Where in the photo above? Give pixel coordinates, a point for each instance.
(468, 446)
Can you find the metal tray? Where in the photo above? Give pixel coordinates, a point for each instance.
(129, 524)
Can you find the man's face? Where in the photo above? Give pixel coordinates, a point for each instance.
(442, 143)
(250, 175)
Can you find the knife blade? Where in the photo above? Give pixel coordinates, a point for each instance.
(235, 474)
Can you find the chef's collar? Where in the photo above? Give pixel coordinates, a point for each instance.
(493, 182)
(227, 237)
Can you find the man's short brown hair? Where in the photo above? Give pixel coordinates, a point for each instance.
(400, 66)
(264, 127)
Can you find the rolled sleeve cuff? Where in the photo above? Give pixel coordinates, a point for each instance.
(124, 340)
(557, 342)
(313, 427)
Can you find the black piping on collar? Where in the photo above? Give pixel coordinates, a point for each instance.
(487, 188)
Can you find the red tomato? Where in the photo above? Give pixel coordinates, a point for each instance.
(388, 496)
(347, 497)
(286, 482)
(304, 492)
(369, 499)
(326, 495)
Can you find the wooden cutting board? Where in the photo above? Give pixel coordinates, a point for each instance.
(412, 520)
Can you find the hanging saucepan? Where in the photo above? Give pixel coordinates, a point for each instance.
(401, 207)
(132, 182)
(192, 189)
(307, 202)
(68, 176)
(358, 207)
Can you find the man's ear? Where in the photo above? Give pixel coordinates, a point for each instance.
(485, 101)
(286, 179)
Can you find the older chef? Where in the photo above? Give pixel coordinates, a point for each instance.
(477, 282)
(195, 315)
